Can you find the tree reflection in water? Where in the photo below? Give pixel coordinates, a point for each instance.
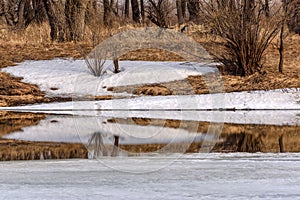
(96, 144)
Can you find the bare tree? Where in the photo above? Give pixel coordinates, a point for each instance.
(66, 19)
(281, 37)
(267, 8)
(127, 9)
(97, 144)
(110, 12)
(135, 11)
(2, 4)
(183, 7)
(293, 20)
(58, 23)
(115, 151)
(244, 31)
(20, 13)
(159, 11)
(179, 11)
(75, 11)
(194, 10)
(107, 16)
(143, 10)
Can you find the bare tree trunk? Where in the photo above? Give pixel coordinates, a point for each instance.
(281, 49)
(18, 13)
(113, 7)
(281, 45)
(267, 8)
(116, 65)
(21, 13)
(117, 7)
(2, 4)
(127, 9)
(57, 20)
(159, 12)
(183, 7)
(143, 10)
(135, 11)
(179, 11)
(194, 9)
(293, 20)
(91, 11)
(107, 16)
(40, 14)
(116, 147)
(281, 146)
(9, 12)
(75, 11)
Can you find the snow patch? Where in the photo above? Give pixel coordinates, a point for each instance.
(72, 77)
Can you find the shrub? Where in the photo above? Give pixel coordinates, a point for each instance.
(95, 64)
(244, 32)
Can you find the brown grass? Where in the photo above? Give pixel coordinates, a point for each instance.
(34, 44)
(268, 79)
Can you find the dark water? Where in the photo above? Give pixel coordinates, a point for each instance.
(97, 136)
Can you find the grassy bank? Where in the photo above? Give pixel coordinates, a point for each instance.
(35, 44)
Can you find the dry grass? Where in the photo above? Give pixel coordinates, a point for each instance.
(34, 44)
(153, 90)
(152, 55)
(269, 79)
(21, 150)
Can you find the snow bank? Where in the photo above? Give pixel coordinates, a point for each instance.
(70, 77)
(274, 107)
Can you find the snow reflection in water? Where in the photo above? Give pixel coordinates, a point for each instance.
(134, 135)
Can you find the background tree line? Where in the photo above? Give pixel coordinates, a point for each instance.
(71, 16)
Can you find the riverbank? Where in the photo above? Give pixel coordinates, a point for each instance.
(14, 92)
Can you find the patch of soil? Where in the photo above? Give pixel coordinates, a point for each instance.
(153, 90)
(180, 87)
(152, 55)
